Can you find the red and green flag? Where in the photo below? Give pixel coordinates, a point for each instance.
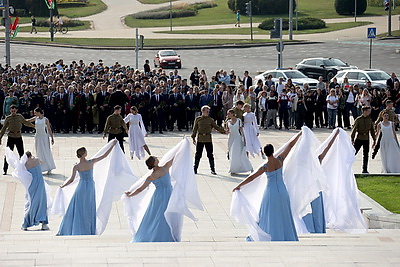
(50, 4)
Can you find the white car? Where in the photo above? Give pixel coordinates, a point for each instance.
(297, 77)
(377, 77)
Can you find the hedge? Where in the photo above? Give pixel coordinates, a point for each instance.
(302, 24)
(66, 22)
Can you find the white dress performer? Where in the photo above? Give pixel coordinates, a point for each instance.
(112, 176)
(34, 211)
(184, 193)
(251, 132)
(42, 142)
(239, 162)
(342, 211)
(303, 176)
(136, 133)
(390, 150)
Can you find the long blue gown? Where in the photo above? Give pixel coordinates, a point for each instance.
(275, 212)
(80, 218)
(154, 227)
(38, 207)
(315, 221)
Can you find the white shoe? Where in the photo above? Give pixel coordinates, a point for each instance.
(45, 227)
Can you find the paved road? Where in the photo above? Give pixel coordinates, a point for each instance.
(240, 59)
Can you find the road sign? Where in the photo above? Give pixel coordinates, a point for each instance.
(278, 46)
(1, 3)
(371, 33)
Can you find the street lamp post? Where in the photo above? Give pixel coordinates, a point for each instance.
(290, 19)
(170, 15)
(355, 10)
(6, 16)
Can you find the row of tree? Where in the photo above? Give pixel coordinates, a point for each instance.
(34, 7)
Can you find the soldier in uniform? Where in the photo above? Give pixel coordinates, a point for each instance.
(13, 123)
(202, 129)
(25, 109)
(363, 127)
(392, 117)
(239, 109)
(113, 126)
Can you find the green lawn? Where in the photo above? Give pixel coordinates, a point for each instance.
(383, 189)
(394, 34)
(118, 42)
(329, 27)
(94, 7)
(221, 14)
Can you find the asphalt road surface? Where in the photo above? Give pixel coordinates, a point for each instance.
(254, 60)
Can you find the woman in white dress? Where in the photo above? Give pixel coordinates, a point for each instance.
(136, 134)
(42, 142)
(390, 150)
(251, 132)
(239, 162)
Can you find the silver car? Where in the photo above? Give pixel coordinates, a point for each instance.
(297, 77)
(377, 78)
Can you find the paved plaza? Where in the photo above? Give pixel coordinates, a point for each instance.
(214, 240)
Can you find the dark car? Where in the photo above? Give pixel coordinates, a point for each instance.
(325, 67)
(167, 59)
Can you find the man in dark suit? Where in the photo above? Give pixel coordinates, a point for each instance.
(102, 100)
(144, 107)
(119, 98)
(216, 106)
(156, 103)
(86, 122)
(50, 108)
(61, 102)
(176, 103)
(192, 105)
(247, 80)
(390, 82)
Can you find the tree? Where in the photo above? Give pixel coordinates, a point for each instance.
(346, 7)
(39, 8)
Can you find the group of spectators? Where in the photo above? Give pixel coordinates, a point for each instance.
(79, 97)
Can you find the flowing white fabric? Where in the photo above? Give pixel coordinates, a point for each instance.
(303, 176)
(184, 195)
(112, 176)
(136, 133)
(390, 150)
(42, 145)
(250, 129)
(25, 177)
(342, 211)
(239, 162)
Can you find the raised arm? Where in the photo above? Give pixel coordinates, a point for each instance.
(323, 154)
(139, 189)
(168, 164)
(72, 178)
(105, 154)
(250, 178)
(31, 119)
(286, 151)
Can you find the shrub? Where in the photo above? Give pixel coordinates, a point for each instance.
(302, 24)
(179, 10)
(262, 7)
(346, 7)
(66, 22)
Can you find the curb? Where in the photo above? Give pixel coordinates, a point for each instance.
(191, 47)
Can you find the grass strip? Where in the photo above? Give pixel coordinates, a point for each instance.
(383, 189)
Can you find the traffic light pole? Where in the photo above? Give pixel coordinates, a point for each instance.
(390, 18)
(280, 54)
(137, 48)
(290, 19)
(6, 16)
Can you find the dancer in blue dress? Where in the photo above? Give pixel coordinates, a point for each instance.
(80, 218)
(37, 212)
(154, 227)
(315, 221)
(275, 215)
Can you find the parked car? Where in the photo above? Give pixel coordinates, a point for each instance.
(167, 59)
(297, 77)
(377, 77)
(325, 67)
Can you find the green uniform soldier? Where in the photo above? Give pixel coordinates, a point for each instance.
(202, 128)
(13, 123)
(114, 123)
(392, 117)
(363, 127)
(239, 109)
